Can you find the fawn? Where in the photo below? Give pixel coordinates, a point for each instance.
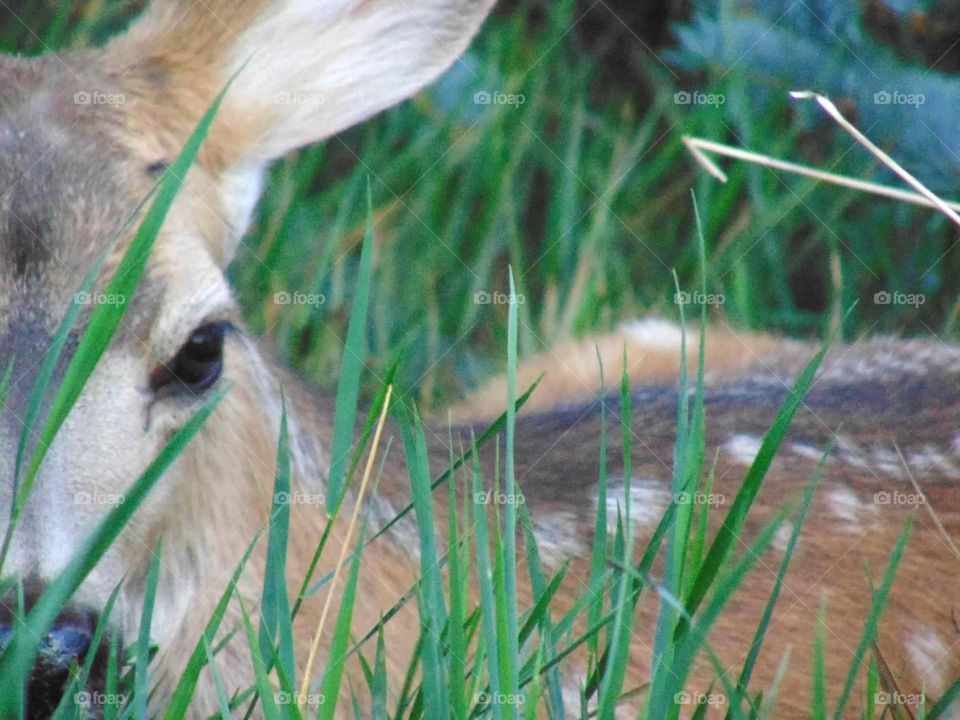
(72, 168)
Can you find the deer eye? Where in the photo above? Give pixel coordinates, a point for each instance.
(197, 364)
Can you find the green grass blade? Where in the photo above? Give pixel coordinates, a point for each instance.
(276, 623)
(222, 700)
(598, 560)
(143, 638)
(457, 581)
(18, 658)
(758, 636)
(180, 699)
(485, 581)
(378, 689)
(338, 650)
(512, 649)
(106, 318)
(262, 679)
(486, 436)
(736, 516)
(621, 634)
(433, 614)
(45, 376)
(870, 627)
(351, 368)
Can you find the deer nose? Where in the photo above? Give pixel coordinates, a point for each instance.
(67, 642)
(68, 639)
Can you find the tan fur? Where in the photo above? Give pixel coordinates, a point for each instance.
(87, 172)
(571, 370)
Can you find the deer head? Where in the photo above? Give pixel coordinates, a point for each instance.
(83, 139)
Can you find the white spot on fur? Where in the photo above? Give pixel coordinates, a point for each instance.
(649, 501)
(654, 333)
(931, 459)
(743, 448)
(927, 652)
(557, 536)
(886, 461)
(851, 454)
(781, 539)
(844, 503)
(810, 452)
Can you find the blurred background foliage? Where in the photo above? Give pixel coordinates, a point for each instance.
(555, 146)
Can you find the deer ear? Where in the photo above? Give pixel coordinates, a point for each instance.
(305, 69)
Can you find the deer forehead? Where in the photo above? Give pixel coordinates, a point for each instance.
(70, 179)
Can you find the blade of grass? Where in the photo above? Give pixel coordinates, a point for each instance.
(736, 516)
(433, 613)
(180, 699)
(305, 684)
(485, 580)
(337, 654)
(275, 604)
(142, 669)
(760, 633)
(351, 368)
(106, 318)
(222, 699)
(17, 659)
(876, 607)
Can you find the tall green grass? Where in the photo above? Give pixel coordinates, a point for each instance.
(585, 202)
